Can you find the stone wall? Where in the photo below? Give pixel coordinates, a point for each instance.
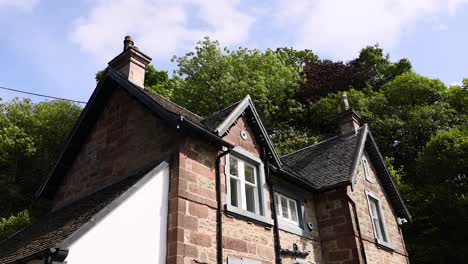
(192, 210)
(126, 137)
(340, 244)
(311, 244)
(373, 252)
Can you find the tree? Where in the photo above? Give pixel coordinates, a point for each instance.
(439, 200)
(272, 78)
(10, 225)
(371, 69)
(31, 137)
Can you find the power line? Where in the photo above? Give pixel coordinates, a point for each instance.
(42, 95)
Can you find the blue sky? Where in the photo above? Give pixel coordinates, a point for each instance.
(56, 47)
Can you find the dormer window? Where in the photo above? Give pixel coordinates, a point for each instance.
(243, 181)
(245, 186)
(287, 209)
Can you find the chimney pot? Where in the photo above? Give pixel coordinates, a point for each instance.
(349, 120)
(344, 103)
(128, 42)
(131, 62)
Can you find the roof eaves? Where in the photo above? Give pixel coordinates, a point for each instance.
(73, 132)
(295, 177)
(358, 154)
(264, 132)
(390, 178)
(232, 117)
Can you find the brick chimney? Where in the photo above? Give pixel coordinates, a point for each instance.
(131, 62)
(349, 120)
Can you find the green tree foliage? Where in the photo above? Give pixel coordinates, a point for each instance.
(31, 137)
(10, 225)
(272, 78)
(420, 125)
(439, 200)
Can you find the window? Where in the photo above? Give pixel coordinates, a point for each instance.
(367, 170)
(244, 185)
(287, 209)
(378, 223)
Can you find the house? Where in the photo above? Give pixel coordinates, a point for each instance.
(143, 180)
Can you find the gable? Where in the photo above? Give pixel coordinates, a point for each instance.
(362, 188)
(223, 121)
(241, 134)
(125, 137)
(172, 115)
(335, 162)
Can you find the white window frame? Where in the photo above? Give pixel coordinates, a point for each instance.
(385, 240)
(242, 182)
(262, 213)
(367, 170)
(279, 213)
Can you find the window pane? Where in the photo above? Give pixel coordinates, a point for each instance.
(250, 198)
(278, 212)
(377, 228)
(233, 167)
(284, 207)
(377, 219)
(381, 226)
(373, 205)
(249, 174)
(234, 192)
(292, 206)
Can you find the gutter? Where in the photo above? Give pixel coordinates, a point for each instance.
(183, 122)
(219, 215)
(356, 219)
(274, 213)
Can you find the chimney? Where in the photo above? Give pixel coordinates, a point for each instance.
(131, 63)
(349, 120)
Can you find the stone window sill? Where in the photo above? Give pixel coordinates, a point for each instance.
(384, 245)
(249, 216)
(297, 230)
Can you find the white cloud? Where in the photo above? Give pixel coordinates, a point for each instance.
(455, 83)
(160, 27)
(453, 5)
(23, 5)
(340, 28)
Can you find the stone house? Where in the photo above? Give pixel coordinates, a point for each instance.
(143, 180)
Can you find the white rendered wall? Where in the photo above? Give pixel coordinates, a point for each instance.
(134, 232)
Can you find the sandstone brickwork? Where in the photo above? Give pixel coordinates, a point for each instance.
(373, 252)
(126, 138)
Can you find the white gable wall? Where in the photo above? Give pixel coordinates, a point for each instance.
(134, 232)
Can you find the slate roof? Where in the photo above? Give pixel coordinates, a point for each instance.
(214, 120)
(58, 225)
(328, 163)
(172, 107)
